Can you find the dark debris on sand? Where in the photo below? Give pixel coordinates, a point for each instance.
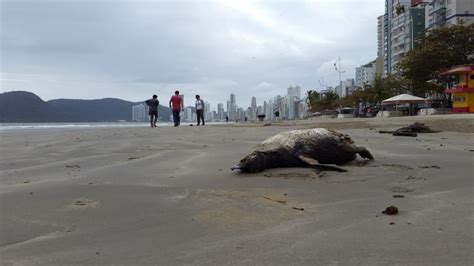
(390, 210)
(411, 130)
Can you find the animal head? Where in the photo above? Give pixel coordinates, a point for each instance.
(254, 162)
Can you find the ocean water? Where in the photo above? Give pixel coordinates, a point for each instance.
(43, 126)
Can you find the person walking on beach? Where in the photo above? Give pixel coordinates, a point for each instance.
(176, 105)
(153, 110)
(199, 110)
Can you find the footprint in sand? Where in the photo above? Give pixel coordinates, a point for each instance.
(82, 203)
(402, 190)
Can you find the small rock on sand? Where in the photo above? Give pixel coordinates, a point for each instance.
(430, 166)
(390, 210)
(298, 208)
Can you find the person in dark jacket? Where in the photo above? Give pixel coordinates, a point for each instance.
(200, 110)
(153, 110)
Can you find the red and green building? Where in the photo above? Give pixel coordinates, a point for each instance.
(462, 94)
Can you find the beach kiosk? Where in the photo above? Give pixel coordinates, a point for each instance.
(462, 94)
(396, 100)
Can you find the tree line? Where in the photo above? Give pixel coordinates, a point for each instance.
(419, 72)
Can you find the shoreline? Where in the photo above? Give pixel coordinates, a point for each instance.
(462, 123)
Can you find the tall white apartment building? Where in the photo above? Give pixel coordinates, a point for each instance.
(188, 114)
(139, 113)
(346, 88)
(294, 95)
(440, 13)
(365, 74)
(220, 112)
(232, 107)
(207, 112)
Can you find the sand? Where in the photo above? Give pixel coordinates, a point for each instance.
(167, 196)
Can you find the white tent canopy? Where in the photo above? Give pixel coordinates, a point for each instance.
(401, 99)
(404, 98)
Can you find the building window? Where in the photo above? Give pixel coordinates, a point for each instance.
(472, 76)
(459, 99)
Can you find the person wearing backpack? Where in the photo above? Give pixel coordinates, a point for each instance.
(153, 110)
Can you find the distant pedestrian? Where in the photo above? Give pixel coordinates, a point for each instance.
(153, 110)
(200, 110)
(227, 119)
(177, 106)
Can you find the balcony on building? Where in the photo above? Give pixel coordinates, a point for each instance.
(438, 11)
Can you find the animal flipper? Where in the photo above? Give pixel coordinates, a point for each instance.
(325, 167)
(364, 153)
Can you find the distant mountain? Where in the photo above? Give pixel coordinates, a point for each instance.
(22, 106)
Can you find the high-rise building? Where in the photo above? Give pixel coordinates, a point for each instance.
(387, 22)
(278, 106)
(254, 102)
(365, 74)
(253, 107)
(269, 110)
(207, 112)
(380, 36)
(294, 95)
(407, 25)
(402, 24)
(265, 107)
(220, 112)
(346, 88)
(380, 45)
(440, 13)
(139, 112)
(188, 114)
(232, 107)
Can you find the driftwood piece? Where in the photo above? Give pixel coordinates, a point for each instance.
(418, 128)
(386, 131)
(410, 131)
(404, 134)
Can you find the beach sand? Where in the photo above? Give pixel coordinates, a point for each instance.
(167, 196)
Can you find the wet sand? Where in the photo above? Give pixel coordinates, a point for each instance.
(167, 196)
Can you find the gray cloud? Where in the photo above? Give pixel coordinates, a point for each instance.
(132, 49)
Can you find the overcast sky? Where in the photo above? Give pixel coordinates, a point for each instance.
(132, 49)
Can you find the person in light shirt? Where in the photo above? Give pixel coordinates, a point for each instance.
(199, 110)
